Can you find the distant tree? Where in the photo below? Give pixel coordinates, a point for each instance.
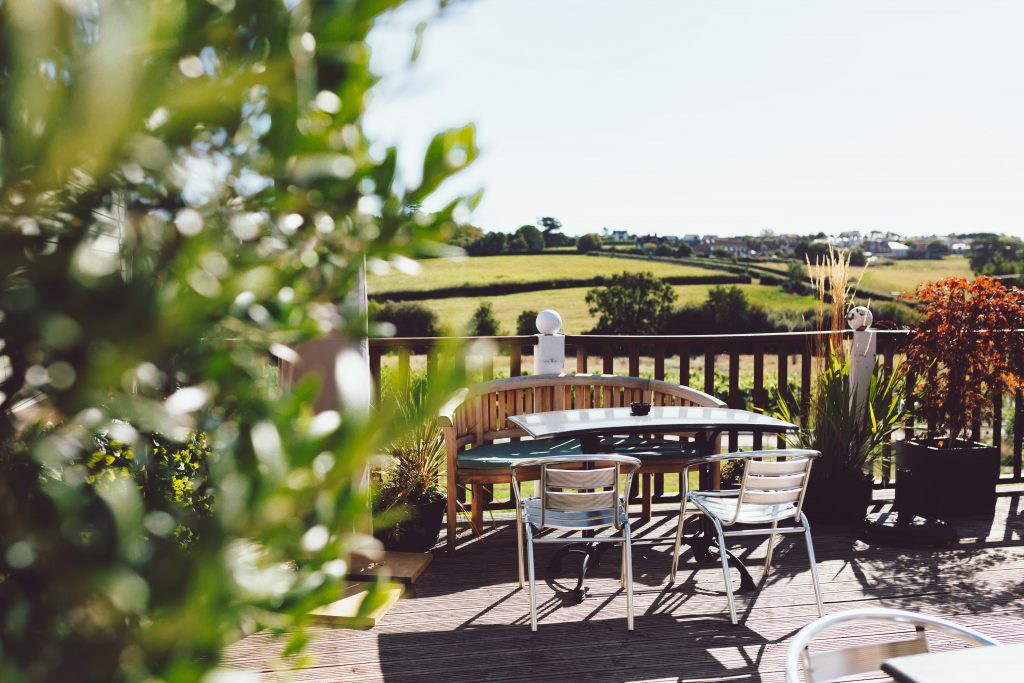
(552, 232)
(526, 323)
(665, 249)
(994, 255)
(858, 257)
(936, 249)
(532, 237)
(484, 323)
(549, 224)
(589, 242)
(684, 250)
(631, 303)
(805, 250)
(796, 277)
(650, 247)
(410, 319)
(517, 245)
(491, 244)
(464, 235)
(725, 311)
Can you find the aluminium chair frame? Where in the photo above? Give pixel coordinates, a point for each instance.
(576, 503)
(765, 489)
(860, 659)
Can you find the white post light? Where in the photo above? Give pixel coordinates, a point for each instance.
(862, 354)
(549, 358)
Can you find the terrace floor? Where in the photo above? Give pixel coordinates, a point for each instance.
(467, 620)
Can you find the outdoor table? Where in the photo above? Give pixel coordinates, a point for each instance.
(590, 424)
(969, 665)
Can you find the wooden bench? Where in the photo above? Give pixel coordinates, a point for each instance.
(481, 443)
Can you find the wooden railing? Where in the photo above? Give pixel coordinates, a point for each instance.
(744, 370)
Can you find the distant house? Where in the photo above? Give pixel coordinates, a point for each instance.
(897, 250)
(733, 247)
(692, 240)
(620, 236)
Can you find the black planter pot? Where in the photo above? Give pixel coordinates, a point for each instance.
(838, 500)
(933, 481)
(418, 531)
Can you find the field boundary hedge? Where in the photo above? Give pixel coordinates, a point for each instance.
(542, 285)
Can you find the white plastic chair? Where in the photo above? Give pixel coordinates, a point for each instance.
(771, 491)
(834, 665)
(580, 493)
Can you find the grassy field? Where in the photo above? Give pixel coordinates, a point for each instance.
(880, 276)
(439, 273)
(571, 305)
(902, 276)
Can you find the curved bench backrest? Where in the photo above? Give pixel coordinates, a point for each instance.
(482, 416)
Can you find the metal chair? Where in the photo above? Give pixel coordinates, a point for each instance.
(862, 659)
(771, 491)
(580, 493)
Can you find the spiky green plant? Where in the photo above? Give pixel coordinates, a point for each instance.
(849, 437)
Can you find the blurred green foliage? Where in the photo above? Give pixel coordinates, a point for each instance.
(186, 191)
(167, 474)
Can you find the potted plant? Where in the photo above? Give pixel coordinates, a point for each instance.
(409, 502)
(849, 430)
(850, 437)
(963, 353)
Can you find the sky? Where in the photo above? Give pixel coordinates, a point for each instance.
(720, 118)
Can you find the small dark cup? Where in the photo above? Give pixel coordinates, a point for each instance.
(639, 408)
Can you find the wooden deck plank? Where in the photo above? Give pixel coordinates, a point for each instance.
(466, 619)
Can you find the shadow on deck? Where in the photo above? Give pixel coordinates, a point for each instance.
(467, 620)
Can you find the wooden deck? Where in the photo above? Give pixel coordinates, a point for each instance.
(466, 619)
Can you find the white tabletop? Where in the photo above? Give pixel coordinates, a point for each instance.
(969, 665)
(660, 419)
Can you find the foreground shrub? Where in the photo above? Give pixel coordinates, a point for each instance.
(186, 194)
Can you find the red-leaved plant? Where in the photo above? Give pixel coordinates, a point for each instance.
(966, 350)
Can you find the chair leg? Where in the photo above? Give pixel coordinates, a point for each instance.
(683, 486)
(622, 569)
(725, 570)
(647, 491)
(627, 552)
(771, 547)
(814, 565)
(533, 581)
(519, 542)
(477, 509)
(453, 512)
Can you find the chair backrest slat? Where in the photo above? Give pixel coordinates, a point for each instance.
(772, 497)
(775, 468)
(590, 501)
(603, 477)
(786, 481)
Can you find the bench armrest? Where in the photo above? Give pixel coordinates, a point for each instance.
(447, 413)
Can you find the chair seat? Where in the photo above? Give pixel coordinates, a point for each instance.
(724, 507)
(569, 520)
(503, 455)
